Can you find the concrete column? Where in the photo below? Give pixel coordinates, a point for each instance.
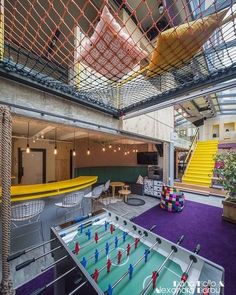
(166, 162)
(171, 163)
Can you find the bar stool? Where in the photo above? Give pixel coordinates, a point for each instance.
(71, 203)
(26, 214)
(94, 195)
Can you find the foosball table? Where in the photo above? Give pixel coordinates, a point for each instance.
(109, 254)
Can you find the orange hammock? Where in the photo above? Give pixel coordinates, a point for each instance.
(178, 45)
(110, 51)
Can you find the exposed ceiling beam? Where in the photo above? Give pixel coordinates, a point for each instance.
(43, 132)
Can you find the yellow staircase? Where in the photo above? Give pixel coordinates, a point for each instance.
(199, 169)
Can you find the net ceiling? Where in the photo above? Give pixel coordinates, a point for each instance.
(117, 54)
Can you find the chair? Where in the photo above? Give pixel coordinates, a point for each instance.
(71, 203)
(106, 190)
(94, 195)
(25, 214)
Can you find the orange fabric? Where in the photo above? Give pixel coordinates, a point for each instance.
(110, 51)
(177, 45)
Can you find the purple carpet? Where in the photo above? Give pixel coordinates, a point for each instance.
(200, 224)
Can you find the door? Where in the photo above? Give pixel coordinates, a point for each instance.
(32, 166)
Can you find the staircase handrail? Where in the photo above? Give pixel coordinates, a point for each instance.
(192, 146)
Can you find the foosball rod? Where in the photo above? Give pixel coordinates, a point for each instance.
(174, 250)
(128, 232)
(41, 290)
(184, 277)
(22, 252)
(54, 263)
(77, 289)
(150, 229)
(28, 262)
(135, 264)
(104, 234)
(88, 223)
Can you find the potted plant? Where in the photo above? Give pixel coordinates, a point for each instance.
(225, 170)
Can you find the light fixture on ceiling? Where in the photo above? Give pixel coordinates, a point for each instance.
(110, 146)
(55, 142)
(136, 150)
(27, 145)
(103, 149)
(125, 153)
(161, 8)
(119, 148)
(74, 152)
(114, 150)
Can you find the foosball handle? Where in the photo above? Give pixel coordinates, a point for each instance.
(25, 263)
(152, 228)
(197, 249)
(180, 240)
(15, 255)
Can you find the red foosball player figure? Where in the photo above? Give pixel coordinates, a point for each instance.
(207, 289)
(128, 249)
(112, 228)
(119, 256)
(77, 248)
(136, 241)
(96, 237)
(108, 265)
(96, 275)
(154, 279)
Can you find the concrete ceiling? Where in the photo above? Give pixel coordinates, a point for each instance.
(43, 130)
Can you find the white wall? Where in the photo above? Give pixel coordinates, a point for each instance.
(51, 173)
(206, 130)
(158, 125)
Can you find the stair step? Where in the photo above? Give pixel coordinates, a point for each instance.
(199, 173)
(197, 178)
(197, 182)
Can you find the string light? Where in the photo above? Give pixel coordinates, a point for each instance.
(125, 153)
(110, 146)
(103, 149)
(55, 139)
(74, 152)
(27, 146)
(118, 148)
(114, 150)
(88, 150)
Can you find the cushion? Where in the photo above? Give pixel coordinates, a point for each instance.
(110, 51)
(140, 179)
(178, 45)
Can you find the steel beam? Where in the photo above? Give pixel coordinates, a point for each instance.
(209, 85)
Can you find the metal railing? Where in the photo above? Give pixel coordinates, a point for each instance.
(192, 147)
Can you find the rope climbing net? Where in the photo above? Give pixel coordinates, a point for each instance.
(117, 53)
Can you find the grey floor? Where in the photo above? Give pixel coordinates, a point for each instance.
(119, 207)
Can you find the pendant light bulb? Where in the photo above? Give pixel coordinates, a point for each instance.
(55, 151)
(103, 149)
(88, 152)
(74, 153)
(27, 149)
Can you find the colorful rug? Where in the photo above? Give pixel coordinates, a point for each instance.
(200, 224)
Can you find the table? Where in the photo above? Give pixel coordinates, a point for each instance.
(118, 277)
(124, 193)
(113, 185)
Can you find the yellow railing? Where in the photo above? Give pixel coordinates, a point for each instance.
(36, 191)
